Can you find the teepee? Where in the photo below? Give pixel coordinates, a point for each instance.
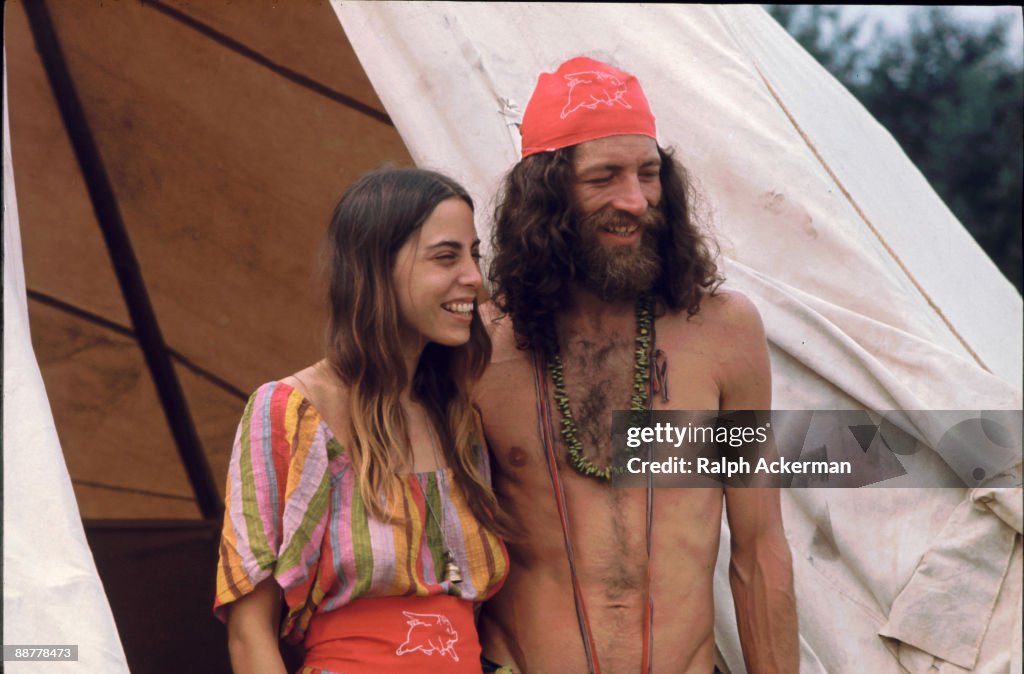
(224, 133)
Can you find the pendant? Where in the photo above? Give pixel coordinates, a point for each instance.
(452, 572)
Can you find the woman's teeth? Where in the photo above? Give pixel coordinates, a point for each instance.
(458, 307)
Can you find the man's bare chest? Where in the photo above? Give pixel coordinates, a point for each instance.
(597, 382)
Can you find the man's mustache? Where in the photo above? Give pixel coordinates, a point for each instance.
(610, 218)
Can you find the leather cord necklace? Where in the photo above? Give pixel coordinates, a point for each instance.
(545, 429)
(452, 572)
(638, 402)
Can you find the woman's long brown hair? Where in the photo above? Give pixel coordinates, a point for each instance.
(374, 218)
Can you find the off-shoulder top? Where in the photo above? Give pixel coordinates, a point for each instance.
(293, 511)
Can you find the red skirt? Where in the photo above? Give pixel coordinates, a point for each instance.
(394, 634)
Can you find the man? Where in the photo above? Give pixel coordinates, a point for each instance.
(593, 242)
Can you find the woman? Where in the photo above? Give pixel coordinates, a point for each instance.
(358, 487)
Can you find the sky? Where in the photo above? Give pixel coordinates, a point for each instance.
(895, 18)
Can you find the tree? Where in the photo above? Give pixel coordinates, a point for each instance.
(953, 98)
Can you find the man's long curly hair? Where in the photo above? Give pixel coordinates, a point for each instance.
(534, 239)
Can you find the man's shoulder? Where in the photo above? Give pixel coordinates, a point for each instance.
(508, 376)
(729, 308)
(732, 309)
(499, 328)
(727, 326)
(725, 341)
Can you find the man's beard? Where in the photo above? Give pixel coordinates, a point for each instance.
(619, 273)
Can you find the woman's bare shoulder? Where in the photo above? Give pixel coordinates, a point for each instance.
(328, 395)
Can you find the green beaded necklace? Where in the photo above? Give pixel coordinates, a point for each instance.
(637, 402)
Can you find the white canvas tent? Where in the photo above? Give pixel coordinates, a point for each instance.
(52, 595)
(873, 297)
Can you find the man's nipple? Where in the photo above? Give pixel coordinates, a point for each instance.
(517, 456)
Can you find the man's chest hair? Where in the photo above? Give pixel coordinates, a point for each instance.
(598, 380)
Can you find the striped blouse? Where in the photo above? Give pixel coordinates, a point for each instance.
(293, 510)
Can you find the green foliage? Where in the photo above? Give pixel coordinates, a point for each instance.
(821, 31)
(951, 95)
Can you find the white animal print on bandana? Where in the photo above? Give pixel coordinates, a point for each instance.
(588, 89)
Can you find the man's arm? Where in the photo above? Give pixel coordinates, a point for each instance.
(761, 578)
(760, 565)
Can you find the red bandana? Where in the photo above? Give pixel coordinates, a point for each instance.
(584, 100)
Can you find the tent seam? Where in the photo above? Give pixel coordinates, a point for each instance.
(240, 48)
(867, 221)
